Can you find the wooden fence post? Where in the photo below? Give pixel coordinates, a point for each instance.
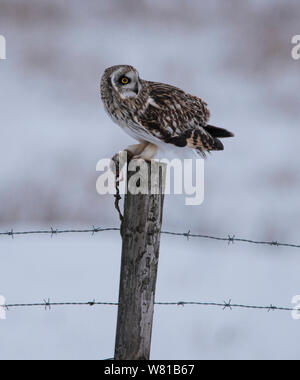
(140, 232)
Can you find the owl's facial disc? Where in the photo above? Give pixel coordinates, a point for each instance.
(126, 83)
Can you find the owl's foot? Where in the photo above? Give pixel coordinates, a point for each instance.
(145, 151)
(148, 153)
(131, 151)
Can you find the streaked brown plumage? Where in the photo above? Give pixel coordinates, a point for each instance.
(157, 113)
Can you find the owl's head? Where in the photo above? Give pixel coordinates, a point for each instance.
(124, 80)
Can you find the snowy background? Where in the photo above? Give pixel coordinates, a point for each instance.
(237, 56)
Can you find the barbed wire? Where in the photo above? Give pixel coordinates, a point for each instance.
(47, 304)
(230, 239)
(54, 231)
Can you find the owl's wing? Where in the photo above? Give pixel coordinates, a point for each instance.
(177, 118)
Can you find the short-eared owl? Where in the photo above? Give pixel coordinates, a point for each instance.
(156, 113)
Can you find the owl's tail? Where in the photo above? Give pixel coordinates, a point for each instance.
(211, 142)
(202, 139)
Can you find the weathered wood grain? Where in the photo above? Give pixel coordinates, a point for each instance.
(140, 252)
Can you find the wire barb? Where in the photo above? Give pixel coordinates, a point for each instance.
(47, 304)
(231, 239)
(188, 235)
(272, 308)
(53, 232)
(227, 305)
(92, 303)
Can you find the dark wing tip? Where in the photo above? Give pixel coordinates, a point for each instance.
(218, 145)
(218, 132)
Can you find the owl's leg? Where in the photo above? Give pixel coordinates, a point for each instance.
(148, 153)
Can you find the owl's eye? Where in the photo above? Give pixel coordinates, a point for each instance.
(124, 80)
